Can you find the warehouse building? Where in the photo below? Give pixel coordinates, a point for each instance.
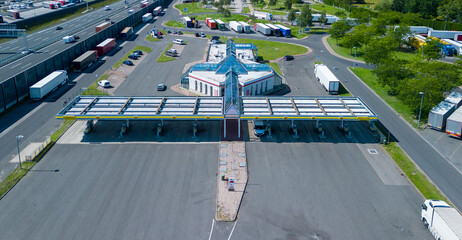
(208, 79)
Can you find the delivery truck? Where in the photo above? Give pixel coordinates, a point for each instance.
(85, 60)
(327, 79)
(187, 22)
(263, 29)
(105, 46)
(48, 84)
(102, 26)
(454, 124)
(439, 114)
(245, 27)
(263, 15)
(235, 26)
(442, 34)
(285, 31)
(442, 220)
(157, 11)
(456, 98)
(69, 39)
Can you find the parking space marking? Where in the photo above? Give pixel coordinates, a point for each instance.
(211, 229)
(232, 230)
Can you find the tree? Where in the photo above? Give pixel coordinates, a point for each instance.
(226, 12)
(399, 34)
(341, 14)
(397, 5)
(452, 9)
(253, 2)
(431, 50)
(323, 18)
(292, 16)
(288, 4)
(338, 29)
(392, 72)
(351, 40)
(305, 18)
(272, 2)
(379, 50)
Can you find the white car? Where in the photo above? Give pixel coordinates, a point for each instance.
(104, 83)
(107, 8)
(178, 41)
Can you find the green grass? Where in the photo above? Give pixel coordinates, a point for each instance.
(275, 12)
(151, 38)
(417, 178)
(329, 9)
(370, 79)
(192, 8)
(174, 24)
(163, 58)
(246, 10)
(93, 90)
(233, 17)
(142, 48)
(275, 66)
(266, 49)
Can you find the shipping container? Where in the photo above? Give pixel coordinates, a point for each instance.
(48, 84)
(284, 30)
(442, 34)
(245, 27)
(454, 123)
(105, 46)
(456, 98)
(276, 31)
(84, 60)
(126, 33)
(263, 29)
(157, 11)
(187, 22)
(220, 24)
(147, 17)
(102, 26)
(327, 79)
(439, 114)
(237, 27)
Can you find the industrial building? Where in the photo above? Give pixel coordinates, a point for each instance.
(208, 79)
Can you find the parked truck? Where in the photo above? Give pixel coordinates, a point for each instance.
(456, 98)
(263, 29)
(327, 79)
(285, 31)
(220, 24)
(102, 26)
(263, 15)
(85, 60)
(276, 31)
(126, 33)
(454, 124)
(442, 34)
(69, 39)
(457, 45)
(211, 23)
(245, 27)
(187, 22)
(442, 220)
(157, 11)
(48, 84)
(105, 46)
(439, 114)
(237, 27)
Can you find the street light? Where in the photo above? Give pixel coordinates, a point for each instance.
(420, 111)
(19, 153)
(354, 59)
(275, 54)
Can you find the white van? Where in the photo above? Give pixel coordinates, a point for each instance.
(178, 41)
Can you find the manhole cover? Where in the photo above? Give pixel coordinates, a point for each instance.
(372, 151)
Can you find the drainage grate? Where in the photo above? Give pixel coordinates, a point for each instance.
(372, 151)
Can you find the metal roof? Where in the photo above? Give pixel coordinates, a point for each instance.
(204, 108)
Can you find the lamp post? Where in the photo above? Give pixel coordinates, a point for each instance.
(354, 59)
(420, 111)
(275, 54)
(19, 137)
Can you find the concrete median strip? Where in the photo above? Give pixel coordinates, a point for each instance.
(232, 164)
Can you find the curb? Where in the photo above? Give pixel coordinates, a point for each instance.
(331, 51)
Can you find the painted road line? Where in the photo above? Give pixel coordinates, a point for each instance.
(211, 229)
(21, 120)
(232, 230)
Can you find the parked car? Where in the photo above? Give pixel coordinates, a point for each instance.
(179, 32)
(104, 83)
(59, 28)
(172, 52)
(168, 31)
(288, 57)
(161, 87)
(178, 41)
(128, 62)
(132, 56)
(139, 52)
(198, 35)
(217, 38)
(174, 31)
(202, 35)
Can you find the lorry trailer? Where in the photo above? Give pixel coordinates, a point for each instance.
(13, 14)
(442, 34)
(85, 60)
(285, 31)
(263, 15)
(48, 84)
(327, 79)
(442, 220)
(147, 17)
(456, 98)
(126, 33)
(263, 29)
(220, 24)
(210, 23)
(157, 11)
(419, 29)
(102, 26)
(105, 46)
(276, 31)
(245, 27)
(454, 124)
(237, 27)
(439, 114)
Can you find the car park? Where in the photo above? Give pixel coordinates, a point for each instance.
(161, 87)
(178, 41)
(132, 56)
(104, 83)
(128, 62)
(288, 57)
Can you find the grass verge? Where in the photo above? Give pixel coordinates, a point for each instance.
(151, 38)
(233, 17)
(141, 48)
(171, 23)
(192, 8)
(370, 79)
(267, 49)
(17, 174)
(163, 58)
(275, 66)
(246, 10)
(93, 90)
(329, 9)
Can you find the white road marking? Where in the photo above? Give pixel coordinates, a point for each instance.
(21, 120)
(17, 65)
(26, 65)
(211, 229)
(232, 230)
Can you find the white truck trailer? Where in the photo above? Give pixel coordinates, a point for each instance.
(419, 29)
(456, 98)
(454, 124)
(245, 27)
(442, 34)
(48, 84)
(147, 17)
(443, 221)
(327, 79)
(439, 114)
(237, 27)
(263, 29)
(263, 15)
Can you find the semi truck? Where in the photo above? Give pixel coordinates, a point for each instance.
(126, 33)
(48, 84)
(439, 114)
(157, 11)
(237, 27)
(50, 5)
(285, 31)
(263, 29)
(419, 29)
(457, 45)
(442, 220)
(14, 14)
(85, 60)
(105, 46)
(220, 24)
(245, 27)
(187, 22)
(327, 79)
(454, 97)
(274, 30)
(211, 23)
(454, 124)
(147, 17)
(102, 26)
(263, 15)
(442, 34)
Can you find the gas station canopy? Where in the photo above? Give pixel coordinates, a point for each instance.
(212, 108)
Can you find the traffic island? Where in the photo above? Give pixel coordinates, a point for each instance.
(231, 180)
